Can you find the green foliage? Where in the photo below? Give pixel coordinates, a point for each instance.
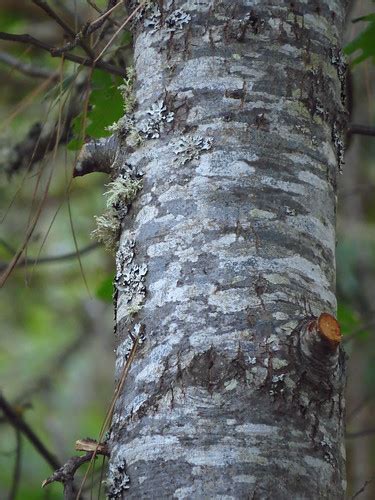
(104, 107)
(105, 289)
(12, 21)
(365, 41)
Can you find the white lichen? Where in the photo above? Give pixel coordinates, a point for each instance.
(191, 147)
(117, 480)
(130, 279)
(153, 19)
(176, 20)
(158, 116)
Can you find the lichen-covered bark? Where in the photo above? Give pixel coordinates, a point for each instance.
(227, 254)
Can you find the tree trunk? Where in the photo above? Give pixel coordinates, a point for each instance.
(227, 254)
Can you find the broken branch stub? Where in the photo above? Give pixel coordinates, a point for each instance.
(320, 338)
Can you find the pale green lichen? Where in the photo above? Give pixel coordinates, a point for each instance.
(122, 191)
(107, 230)
(120, 194)
(127, 91)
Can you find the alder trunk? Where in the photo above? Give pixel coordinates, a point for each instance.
(226, 263)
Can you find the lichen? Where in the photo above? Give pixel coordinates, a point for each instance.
(152, 19)
(122, 191)
(120, 195)
(339, 143)
(107, 230)
(117, 480)
(154, 123)
(190, 148)
(128, 95)
(130, 279)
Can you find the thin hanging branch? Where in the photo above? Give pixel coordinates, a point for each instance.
(16, 476)
(50, 259)
(18, 422)
(26, 68)
(68, 30)
(30, 40)
(355, 128)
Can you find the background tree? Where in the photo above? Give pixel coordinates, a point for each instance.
(191, 161)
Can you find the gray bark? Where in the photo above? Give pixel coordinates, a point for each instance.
(227, 254)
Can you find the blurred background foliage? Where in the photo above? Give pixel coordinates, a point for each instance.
(56, 355)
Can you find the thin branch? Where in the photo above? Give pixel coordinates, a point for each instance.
(30, 40)
(8, 247)
(51, 13)
(361, 490)
(17, 467)
(129, 18)
(361, 129)
(74, 14)
(25, 68)
(65, 475)
(105, 13)
(50, 258)
(18, 423)
(366, 432)
(99, 21)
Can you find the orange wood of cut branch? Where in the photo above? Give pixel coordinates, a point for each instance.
(329, 329)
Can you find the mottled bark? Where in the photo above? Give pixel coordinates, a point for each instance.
(227, 254)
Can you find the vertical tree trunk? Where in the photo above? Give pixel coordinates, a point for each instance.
(226, 258)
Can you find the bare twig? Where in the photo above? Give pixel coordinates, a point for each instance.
(17, 467)
(25, 68)
(361, 490)
(18, 422)
(8, 247)
(366, 432)
(50, 259)
(110, 411)
(65, 474)
(99, 21)
(361, 129)
(129, 18)
(30, 40)
(107, 12)
(51, 13)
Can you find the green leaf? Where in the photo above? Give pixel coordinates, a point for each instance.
(105, 289)
(347, 318)
(365, 41)
(105, 107)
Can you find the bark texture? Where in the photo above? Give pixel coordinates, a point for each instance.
(227, 254)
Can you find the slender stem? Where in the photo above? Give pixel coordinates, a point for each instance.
(51, 258)
(18, 423)
(30, 40)
(355, 128)
(25, 68)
